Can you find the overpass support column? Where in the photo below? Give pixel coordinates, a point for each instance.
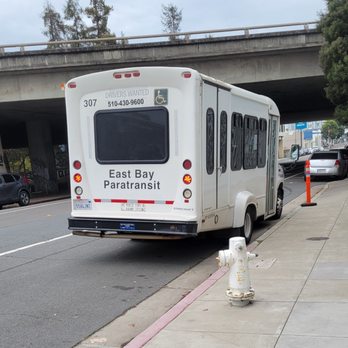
(42, 156)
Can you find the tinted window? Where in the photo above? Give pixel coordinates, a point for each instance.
(223, 141)
(262, 142)
(132, 136)
(325, 155)
(8, 178)
(250, 141)
(210, 141)
(236, 141)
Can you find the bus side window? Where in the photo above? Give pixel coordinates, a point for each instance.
(262, 141)
(250, 142)
(236, 141)
(210, 139)
(223, 141)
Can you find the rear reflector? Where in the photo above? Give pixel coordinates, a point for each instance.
(72, 85)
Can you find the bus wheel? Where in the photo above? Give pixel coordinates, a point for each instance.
(246, 230)
(279, 206)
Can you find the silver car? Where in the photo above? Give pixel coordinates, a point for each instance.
(332, 163)
(13, 190)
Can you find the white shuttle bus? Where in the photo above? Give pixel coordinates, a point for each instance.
(162, 152)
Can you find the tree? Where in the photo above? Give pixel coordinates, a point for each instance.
(99, 13)
(55, 28)
(77, 30)
(334, 56)
(331, 130)
(171, 19)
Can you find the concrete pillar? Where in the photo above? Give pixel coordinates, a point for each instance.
(42, 156)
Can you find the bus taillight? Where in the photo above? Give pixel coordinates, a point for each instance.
(187, 179)
(77, 165)
(186, 74)
(187, 194)
(72, 85)
(77, 177)
(78, 190)
(128, 74)
(187, 164)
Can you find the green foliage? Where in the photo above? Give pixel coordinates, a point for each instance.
(171, 19)
(55, 28)
(331, 130)
(334, 55)
(99, 13)
(18, 160)
(73, 12)
(75, 28)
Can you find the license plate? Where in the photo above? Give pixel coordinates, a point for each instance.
(82, 204)
(133, 207)
(321, 171)
(127, 227)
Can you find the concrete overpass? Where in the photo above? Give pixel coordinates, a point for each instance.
(281, 64)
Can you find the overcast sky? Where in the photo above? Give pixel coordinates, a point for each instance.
(21, 22)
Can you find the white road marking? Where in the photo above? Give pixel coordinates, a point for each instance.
(35, 244)
(30, 207)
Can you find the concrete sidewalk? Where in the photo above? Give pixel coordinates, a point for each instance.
(301, 290)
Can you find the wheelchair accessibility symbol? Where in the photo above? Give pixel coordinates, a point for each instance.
(161, 96)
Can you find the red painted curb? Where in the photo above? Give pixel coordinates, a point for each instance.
(145, 336)
(165, 319)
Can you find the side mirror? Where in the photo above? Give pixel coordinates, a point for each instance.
(295, 152)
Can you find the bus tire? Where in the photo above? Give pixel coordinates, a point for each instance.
(246, 230)
(279, 205)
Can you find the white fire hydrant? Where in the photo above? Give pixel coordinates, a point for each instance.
(239, 290)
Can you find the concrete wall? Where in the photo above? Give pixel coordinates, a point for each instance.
(258, 58)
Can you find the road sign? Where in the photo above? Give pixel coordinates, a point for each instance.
(308, 134)
(301, 125)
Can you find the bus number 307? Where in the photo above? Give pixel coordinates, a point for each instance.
(89, 102)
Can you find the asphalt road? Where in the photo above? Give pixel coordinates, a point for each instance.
(56, 289)
(57, 293)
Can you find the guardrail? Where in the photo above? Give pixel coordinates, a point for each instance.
(174, 37)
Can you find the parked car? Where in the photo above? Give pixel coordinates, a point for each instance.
(333, 163)
(13, 189)
(344, 153)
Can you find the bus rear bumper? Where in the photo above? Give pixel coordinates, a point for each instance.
(142, 229)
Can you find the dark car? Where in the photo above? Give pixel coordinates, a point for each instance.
(13, 189)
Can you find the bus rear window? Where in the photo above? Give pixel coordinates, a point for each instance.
(132, 136)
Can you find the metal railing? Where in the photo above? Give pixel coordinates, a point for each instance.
(173, 37)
